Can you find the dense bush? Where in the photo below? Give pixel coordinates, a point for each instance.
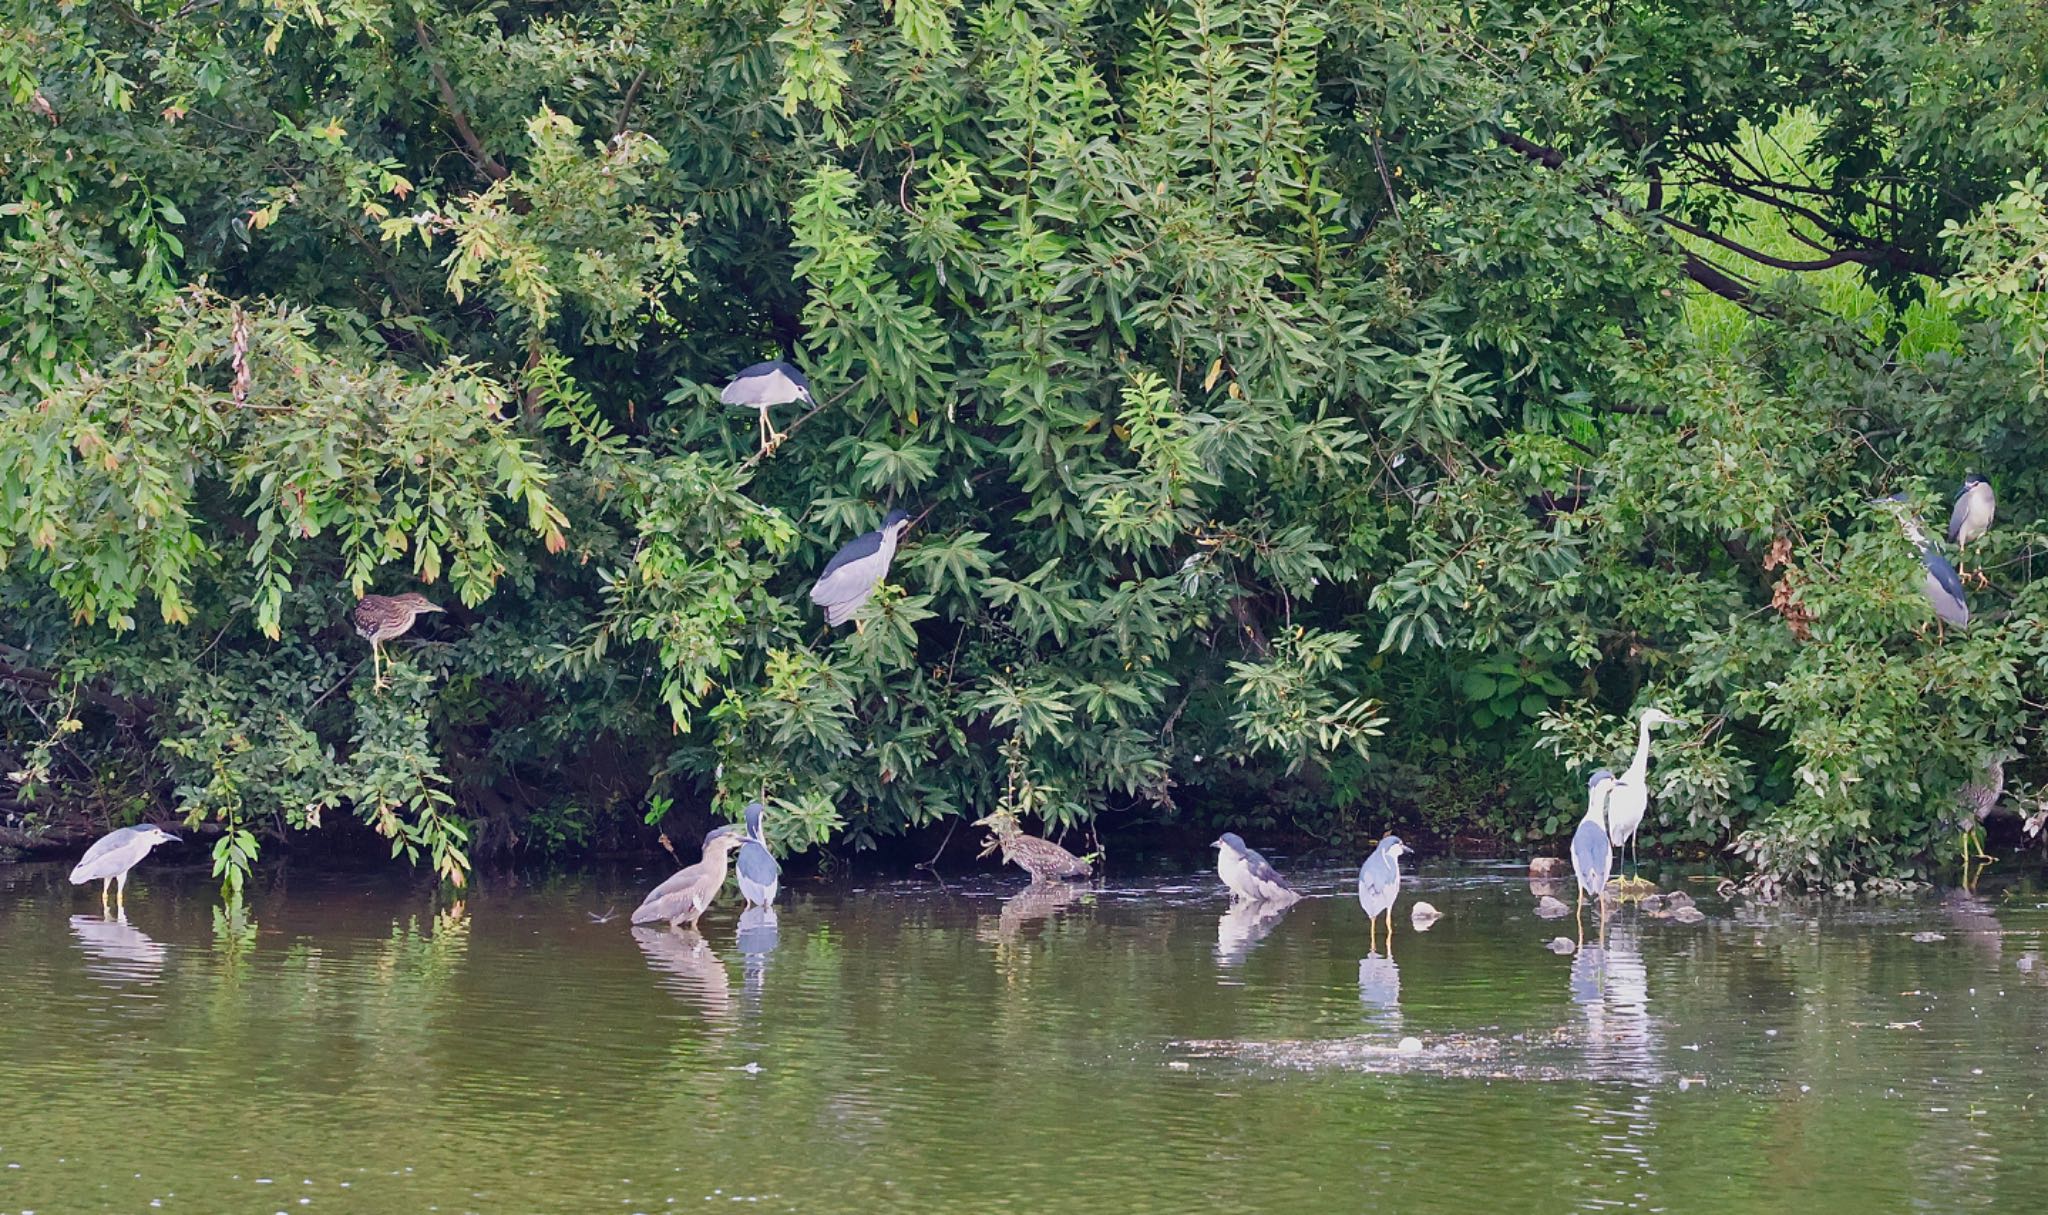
(1329, 412)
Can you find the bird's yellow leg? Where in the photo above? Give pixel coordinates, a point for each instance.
(121, 894)
(1390, 934)
(104, 884)
(1973, 842)
(1373, 937)
(859, 626)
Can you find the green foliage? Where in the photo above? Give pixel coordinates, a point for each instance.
(1313, 413)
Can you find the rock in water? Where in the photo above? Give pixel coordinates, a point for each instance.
(1928, 938)
(1549, 867)
(1411, 1046)
(1551, 909)
(1655, 904)
(1689, 915)
(1561, 945)
(1422, 915)
(1677, 899)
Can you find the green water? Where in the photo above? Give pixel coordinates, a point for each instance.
(356, 1046)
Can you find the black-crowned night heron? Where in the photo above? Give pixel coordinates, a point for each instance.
(1379, 884)
(1980, 798)
(857, 569)
(684, 897)
(1975, 507)
(1248, 875)
(1044, 860)
(1630, 797)
(113, 855)
(760, 877)
(761, 388)
(1592, 850)
(1938, 581)
(383, 617)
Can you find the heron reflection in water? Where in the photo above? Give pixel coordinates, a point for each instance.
(760, 931)
(1611, 986)
(116, 951)
(1379, 990)
(1040, 901)
(1245, 925)
(689, 968)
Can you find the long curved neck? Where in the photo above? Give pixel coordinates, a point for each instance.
(1639, 767)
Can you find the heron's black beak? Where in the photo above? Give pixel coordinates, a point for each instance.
(167, 835)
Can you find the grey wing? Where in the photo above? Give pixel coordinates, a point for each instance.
(757, 865)
(1375, 891)
(106, 857)
(867, 544)
(1945, 589)
(1591, 855)
(843, 589)
(1959, 516)
(1263, 870)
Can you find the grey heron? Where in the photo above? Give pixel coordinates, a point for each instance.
(760, 877)
(1248, 875)
(1379, 884)
(1592, 850)
(1975, 507)
(113, 855)
(380, 618)
(684, 897)
(1938, 580)
(761, 388)
(1630, 797)
(854, 572)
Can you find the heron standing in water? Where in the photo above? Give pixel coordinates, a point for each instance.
(113, 855)
(1248, 875)
(854, 572)
(1379, 884)
(1630, 797)
(684, 897)
(381, 618)
(760, 877)
(761, 388)
(1592, 849)
(1044, 860)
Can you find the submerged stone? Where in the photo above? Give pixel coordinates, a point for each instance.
(1551, 909)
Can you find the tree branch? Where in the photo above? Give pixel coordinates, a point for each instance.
(485, 162)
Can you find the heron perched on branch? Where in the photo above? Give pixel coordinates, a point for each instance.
(854, 572)
(1249, 876)
(1379, 884)
(1938, 581)
(1975, 507)
(113, 855)
(1630, 797)
(380, 618)
(761, 388)
(1044, 860)
(684, 897)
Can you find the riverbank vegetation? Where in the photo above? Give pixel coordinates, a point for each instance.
(1316, 415)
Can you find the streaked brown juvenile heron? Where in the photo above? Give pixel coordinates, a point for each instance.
(761, 388)
(684, 897)
(1044, 860)
(1249, 875)
(1979, 799)
(854, 572)
(114, 854)
(380, 618)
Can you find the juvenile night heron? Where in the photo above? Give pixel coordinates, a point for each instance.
(1980, 798)
(854, 572)
(1044, 860)
(1938, 581)
(1248, 875)
(113, 855)
(761, 388)
(684, 897)
(1592, 851)
(1630, 797)
(760, 877)
(1975, 507)
(380, 618)
(1379, 884)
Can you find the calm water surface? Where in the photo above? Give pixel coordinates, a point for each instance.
(354, 1045)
